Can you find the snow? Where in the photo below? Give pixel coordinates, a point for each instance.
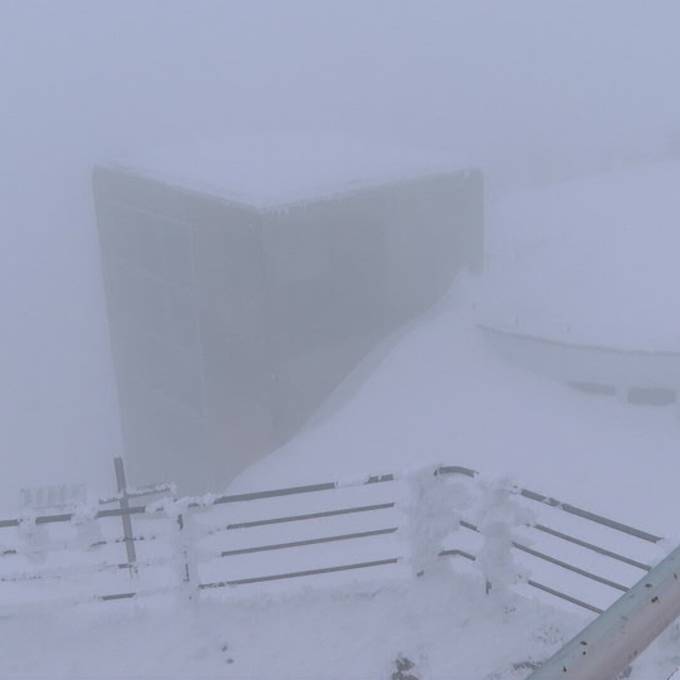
(268, 171)
(442, 625)
(446, 626)
(442, 394)
(590, 261)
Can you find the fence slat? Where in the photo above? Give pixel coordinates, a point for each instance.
(300, 518)
(300, 574)
(570, 567)
(530, 582)
(310, 541)
(591, 516)
(591, 546)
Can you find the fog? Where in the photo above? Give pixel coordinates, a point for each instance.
(530, 92)
(375, 282)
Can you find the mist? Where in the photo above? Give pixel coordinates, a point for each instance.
(529, 91)
(508, 173)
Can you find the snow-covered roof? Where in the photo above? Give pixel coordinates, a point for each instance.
(593, 260)
(267, 171)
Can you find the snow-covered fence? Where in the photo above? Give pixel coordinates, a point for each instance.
(180, 543)
(557, 548)
(384, 526)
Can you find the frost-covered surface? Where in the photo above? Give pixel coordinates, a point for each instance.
(591, 261)
(446, 626)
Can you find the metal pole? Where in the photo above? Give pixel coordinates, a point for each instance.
(126, 518)
(188, 577)
(605, 648)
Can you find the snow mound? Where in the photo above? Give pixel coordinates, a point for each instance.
(590, 261)
(443, 395)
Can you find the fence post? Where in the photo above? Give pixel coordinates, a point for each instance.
(126, 518)
(188, 576)
(433, 513)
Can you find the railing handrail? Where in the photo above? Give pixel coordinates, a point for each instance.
(607, 647)
(591, 516)
(191, 504)
(154, 508)
(173, 507)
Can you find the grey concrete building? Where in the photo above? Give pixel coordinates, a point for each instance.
(231, 324)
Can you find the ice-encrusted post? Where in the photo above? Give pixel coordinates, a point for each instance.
(498, 516)
(181, 511)
(433, 514)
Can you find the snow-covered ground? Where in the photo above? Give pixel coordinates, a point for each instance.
(443, 395)
(445, 626)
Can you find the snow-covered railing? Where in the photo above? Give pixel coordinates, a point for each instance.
(607, 647)
(182, 513)
(608, 560)
(406, 524)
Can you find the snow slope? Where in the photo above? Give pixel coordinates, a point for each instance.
(442, 395)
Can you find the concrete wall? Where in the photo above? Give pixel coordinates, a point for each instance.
(229, 326)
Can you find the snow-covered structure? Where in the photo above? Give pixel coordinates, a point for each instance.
(583, 281)
(232, 320)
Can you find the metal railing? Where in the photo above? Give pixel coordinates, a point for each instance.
(317, 515)
(586, 516)
(607, 647)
